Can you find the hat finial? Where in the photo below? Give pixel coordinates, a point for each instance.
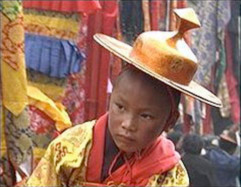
(186, 20)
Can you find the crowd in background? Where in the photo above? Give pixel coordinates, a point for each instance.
(211, 161)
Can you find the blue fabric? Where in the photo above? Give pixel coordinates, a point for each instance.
(227, 166)
(53, 57)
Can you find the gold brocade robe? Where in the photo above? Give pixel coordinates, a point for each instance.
(65, 163)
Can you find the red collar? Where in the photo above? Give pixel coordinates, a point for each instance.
(156, 159)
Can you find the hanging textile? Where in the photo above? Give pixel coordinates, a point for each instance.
(97, 65)
(132, 19)
(14, 117)
(18, 136)
(2, 129)
(18, 139)
(158, 11)
(223, 95)
(13, 73)
(55, 111)
(74, 98)
(172, 17)
(65, 5)
(43, 128)
(115, 62)
(43, 132)
(146, 13)
(7, 177)
(214, 16)
(207, 121)
(155, 14)
(233, 28)
(108, 27)
(232, 84)
(52, 24)
(220, 65)
(53, 57)
(52, 87)
(11, 9)
(50, 19)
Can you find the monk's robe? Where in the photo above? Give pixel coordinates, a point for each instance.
(78, 158)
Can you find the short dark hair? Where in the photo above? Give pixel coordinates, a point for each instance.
(193, 144)
(209, 140)
(129, 69)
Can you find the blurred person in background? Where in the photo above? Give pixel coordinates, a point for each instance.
(200, 170)
(210, 141)
(226, 164)
(175, 136)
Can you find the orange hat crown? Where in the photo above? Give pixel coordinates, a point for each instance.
(166, 53)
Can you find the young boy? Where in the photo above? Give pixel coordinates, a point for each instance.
(125, 146)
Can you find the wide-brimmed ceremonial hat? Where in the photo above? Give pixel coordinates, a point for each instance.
(229, 136)
(165, 56)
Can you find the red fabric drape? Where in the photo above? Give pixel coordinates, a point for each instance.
(158, 14)
(207, 121)
(64, 5)
(97, 70)
(155, 11)
(187, 123)
(232, 83)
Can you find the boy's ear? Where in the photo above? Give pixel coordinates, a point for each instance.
(172, 120)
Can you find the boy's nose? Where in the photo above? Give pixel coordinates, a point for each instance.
(129, 123)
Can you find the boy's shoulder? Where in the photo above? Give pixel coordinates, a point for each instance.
(66, 149)
(74, 136)
(77, 130)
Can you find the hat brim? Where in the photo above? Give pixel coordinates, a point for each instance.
(122, 50)
(228, 139)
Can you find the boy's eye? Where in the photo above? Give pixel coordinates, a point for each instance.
(120, 107)
(147, 116)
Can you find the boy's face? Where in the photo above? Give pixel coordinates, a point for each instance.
(138, 113)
